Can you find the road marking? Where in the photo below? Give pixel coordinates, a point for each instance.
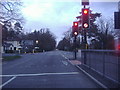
(39, 74)
(64, 56)
(64, 62)
(7, 82)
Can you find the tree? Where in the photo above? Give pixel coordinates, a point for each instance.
(64, 44)
(105, 34)
(10, 14)
(93, 26)
(11, 32)
(102, 30)
(45, 39)
(68, 34)
(10, 11)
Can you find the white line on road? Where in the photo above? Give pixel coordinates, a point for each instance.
(39, 74)
(7, 82)
(64, 56)
(67, 59)
(64, 62)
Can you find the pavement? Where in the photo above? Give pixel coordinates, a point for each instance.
(95, 76)
(100, 79)
(44, 70)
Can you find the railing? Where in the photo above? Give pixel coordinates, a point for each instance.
(105, 62)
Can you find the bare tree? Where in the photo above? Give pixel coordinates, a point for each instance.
(106, 26)
(68, 34)
(10, 10)
(105, 35)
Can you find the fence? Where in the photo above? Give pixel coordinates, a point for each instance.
(105, 62)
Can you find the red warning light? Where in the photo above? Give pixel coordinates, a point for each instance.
(85, 11)
(75, 24)
(75, 33)
(118, 47)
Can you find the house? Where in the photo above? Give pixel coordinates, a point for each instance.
(11, 46)
(27, 45)
(27, 42)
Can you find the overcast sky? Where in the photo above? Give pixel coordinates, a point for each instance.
(59, 15)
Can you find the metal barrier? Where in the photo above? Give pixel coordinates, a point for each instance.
(105, 62)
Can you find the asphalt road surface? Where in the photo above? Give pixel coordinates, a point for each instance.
(44, 70)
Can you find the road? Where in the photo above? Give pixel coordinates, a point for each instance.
(44, 70)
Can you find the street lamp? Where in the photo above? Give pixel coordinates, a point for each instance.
(36, 41)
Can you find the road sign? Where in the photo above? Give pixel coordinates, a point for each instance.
(85, 2)
(117, 20)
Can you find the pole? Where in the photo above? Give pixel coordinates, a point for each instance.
(75, 46)
(85, 37)
(85, 43)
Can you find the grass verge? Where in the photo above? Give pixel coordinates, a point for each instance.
(9, 58)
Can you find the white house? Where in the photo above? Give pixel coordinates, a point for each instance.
(12, 45)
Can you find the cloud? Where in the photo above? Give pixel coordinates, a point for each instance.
(62, 0)
(50, 14)
(58, 16)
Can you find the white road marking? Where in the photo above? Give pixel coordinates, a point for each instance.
(39, 74)
(64, 62)
(7, 82)
(67, 59)
(64, 56)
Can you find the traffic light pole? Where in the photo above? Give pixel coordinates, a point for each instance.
(85, 39)
(85, 43)
(85, 46)
(75, 33)
(75, 53)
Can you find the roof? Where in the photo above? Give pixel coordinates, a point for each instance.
(7, 44)
(13, 39)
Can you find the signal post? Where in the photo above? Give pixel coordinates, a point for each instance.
(75, 34)
(85, 24)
